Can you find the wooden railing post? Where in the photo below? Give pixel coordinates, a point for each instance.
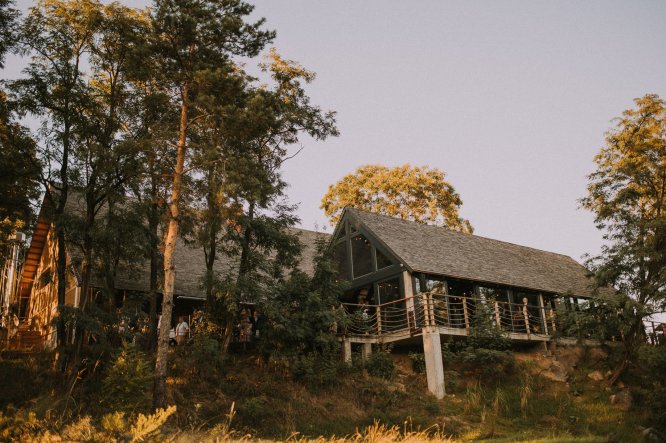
(527, 318)
(465, 315)
(426, 310)
(431, 310)
(379, 320)
(497, 316)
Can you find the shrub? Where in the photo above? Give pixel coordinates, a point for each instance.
(316, 370)
(255, 410)
(486, 350)
(127, 382)
(206, 354)
(380, 364)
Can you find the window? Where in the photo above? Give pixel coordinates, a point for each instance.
(389, 290)
(382, 260)
(44, 278)
(435, 284)
(461, 288)
(493, 294)
(340, 257)
(361, 256)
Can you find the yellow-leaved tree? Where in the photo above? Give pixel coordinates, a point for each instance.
(410, 192)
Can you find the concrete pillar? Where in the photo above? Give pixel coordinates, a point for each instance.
(366, 351)
(346, 350)
(432, 350)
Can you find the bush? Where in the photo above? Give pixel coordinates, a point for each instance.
(206, 354)
(128, 380)
(316, 370)
(380, 364)
(486, 350)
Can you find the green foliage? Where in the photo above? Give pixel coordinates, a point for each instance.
(317, 369)
(127, 381)
(626, 195)
(411, 193)
(207, 357)
(300, 320)
(487, 349)
(254, 410)
(380, 364)
(19, 172)
(600, 318)
(149, 424)
(18, 425)
(25, 382)
(651, 361)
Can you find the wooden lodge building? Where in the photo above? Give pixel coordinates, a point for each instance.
(409, 279)
(37, 290)
(407, 282)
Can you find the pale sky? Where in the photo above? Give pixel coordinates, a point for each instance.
(510, 98)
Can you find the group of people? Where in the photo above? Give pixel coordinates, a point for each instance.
(248, 327)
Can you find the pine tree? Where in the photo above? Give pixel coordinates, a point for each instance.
(193, 43)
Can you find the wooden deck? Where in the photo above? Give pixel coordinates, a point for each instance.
(449, 316)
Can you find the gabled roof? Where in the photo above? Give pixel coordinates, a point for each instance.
(437, 250)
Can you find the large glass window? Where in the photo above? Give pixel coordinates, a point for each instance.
(493, 294)
(389, 290)
(361, 256)
(461, 302)
(394, 314)
(341, 260)
(382, 260)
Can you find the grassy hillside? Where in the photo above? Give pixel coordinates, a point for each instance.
(526, 400)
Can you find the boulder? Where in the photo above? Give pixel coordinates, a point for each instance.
(595, 376)
(622, 400)
(556, 372)
(569, 356)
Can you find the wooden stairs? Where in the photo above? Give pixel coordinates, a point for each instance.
(25, 340)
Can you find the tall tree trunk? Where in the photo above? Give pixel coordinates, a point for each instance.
(61, 261)
(244, 267)
(80, 335)
(170, 238)
(153, 224)
(631, 342)
(211, 251)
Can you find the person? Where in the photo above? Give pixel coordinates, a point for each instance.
(182, 329)
(245, 327)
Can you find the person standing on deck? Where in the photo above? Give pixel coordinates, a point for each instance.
(182, 329)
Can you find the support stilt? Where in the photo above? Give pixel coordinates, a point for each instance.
(366, 351)
(346, 350)
(432, 350)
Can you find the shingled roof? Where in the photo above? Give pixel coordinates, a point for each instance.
(189, 259)
(437, 250)
(191, 266)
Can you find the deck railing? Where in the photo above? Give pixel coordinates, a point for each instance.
(458, 314)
